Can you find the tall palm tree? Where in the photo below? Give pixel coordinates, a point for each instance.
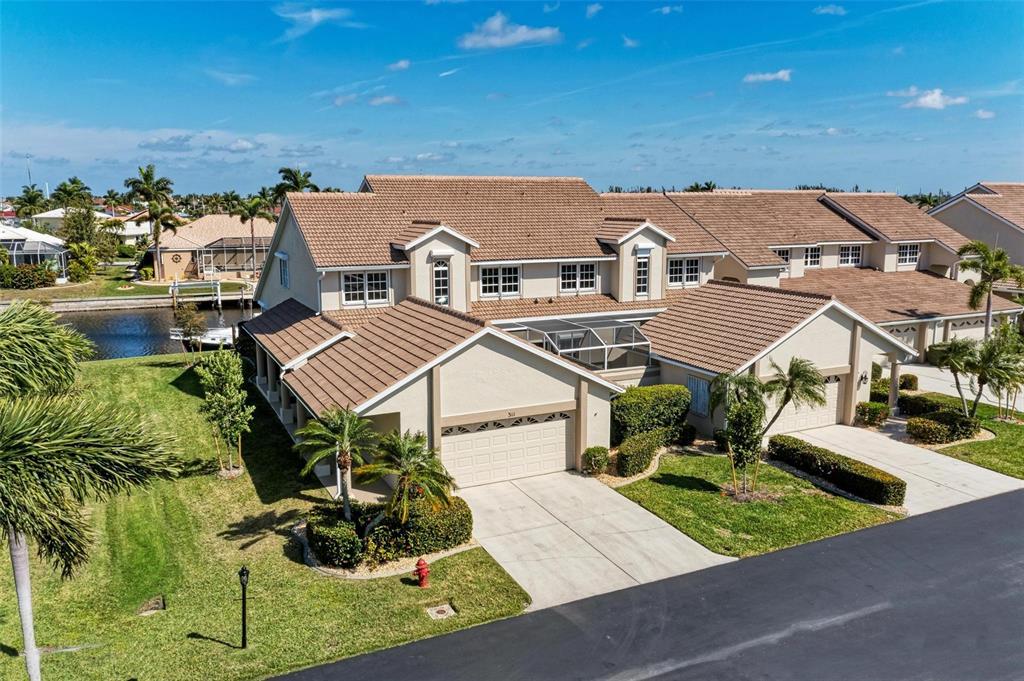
(417, 470)
(73, 192)
(800, 384)
(928, 200)
(248, 210)
(30, 202)
(993, 363)
(340, 434)
(112, 198)
(958, 356)
(161, 217)
(231, 197)
(726, 388)
(992, 265)
(268, 195)
(147, 187)
(294, 180)
(58, 452)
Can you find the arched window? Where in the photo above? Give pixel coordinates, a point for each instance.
(441, 282)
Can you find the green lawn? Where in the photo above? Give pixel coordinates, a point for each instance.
(186, 539)
(1004, 454)
(686, 492)
(104, 284)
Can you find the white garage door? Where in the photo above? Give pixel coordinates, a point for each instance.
(906, 334)
(503, 450)
(812, 417)
(970, 328)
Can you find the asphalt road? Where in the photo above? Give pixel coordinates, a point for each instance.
(934, 597)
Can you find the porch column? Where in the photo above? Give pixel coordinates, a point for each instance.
(894, 385)
(853, 378)
(301, 416)
(287, 416)
(273, 381)
(922, 338)
(946, 326)
(582, 414)
(261, 366)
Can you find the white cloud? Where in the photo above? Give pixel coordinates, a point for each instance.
(782, 74)
(385, 100)
(230, 78)
(835, 10)
(629, 43)
(499, 32)
(911, 91)
(934, 99)
(584, 44)
(593, 9)
(553, 7)
(451, 72)
(665, 10)
(984, 114)
(305, 19)
(400, 65)
(173, 143)
(342, 100)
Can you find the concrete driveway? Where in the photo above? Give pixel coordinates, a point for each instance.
(564, 537)
(936, 380)
(933, 481)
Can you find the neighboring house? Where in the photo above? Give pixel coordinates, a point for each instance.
(53, 220)
(25, 246)
(215, 246)
(135, 226)
(364, 289)
(992, 212)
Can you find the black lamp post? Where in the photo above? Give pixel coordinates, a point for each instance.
(243, 579)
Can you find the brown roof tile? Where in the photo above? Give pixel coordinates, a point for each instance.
(210, 228)
(721, 326)
(1007, 202)
(289, 329)
(892, 296)
(664, 212)
(894, 218)
(352, 318)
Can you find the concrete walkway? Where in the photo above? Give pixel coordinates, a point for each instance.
(564, 537)
(936, 380)
(934, 481)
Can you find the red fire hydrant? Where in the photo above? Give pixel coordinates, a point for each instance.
(422, 573)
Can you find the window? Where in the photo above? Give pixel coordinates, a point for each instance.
(577, 277)
(692, 271)
(441, 282)
(700, 394)
(499, 281)
(285, 275)
(849, 255)
(365, 287)
(683, 271)
(782, 253)
(643, 268)
(908, 254)
(812, 258)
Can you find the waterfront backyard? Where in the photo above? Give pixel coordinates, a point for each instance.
(186, 540)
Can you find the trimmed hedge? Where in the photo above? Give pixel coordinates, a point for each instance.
(637, 451)
(908, 381)
(687, 435)
(332, 538)
(24, 277)
(872, 413)
(919, 405)
(126, 251)
(855, 477)
(928, 431)
(876, 371)
(721, 438)
(961, 427)
(931, 355)
(595, 460)
(644, 408)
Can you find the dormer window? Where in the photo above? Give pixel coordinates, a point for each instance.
(575, 277)
(812, 257)
(783, 253)
(441, 282)
(849, 256)
(908, 254)
(497, 282)
(643, 272)
(362, 288)
(683, 271)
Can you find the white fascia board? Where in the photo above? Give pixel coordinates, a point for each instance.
(275, 241)
(940, 318)
(956, 198)
(866, 242)
(646, 224)
(308, 354)
(783, 266)
(530, 261)
(698, 255)
(977, 205)
(442, 228)
(363, 268)
(646, 313)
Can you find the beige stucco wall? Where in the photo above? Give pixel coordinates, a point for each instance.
(625, 279)
(599, 418)
(411, 404)
(302, 274)
(171, 270)
(421, 281)
(830, 256)
(728, 267)
(824, 341)
(978, 225)
(677, 375)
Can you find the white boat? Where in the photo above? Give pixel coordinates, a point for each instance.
(219, 336)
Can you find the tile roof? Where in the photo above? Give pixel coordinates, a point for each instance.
(664, 212)
(1007, 202)
(210, 228)
(894, 218)
(351, 318)
(515, 308)
(384, 351)
(613, 229)
(751, 222)
(289, 329)
(893, 296)
(721, 326)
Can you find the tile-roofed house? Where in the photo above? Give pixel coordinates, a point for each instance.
(690, 237)
(893, 218)
(722, 326)
(289, 330)
(596, 303)
(894, 296)
(214, 246)
(210, 228)
(992, 212)
(1005, 200)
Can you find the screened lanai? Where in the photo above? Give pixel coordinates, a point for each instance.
(232, 254)
(598, 344)
(26, 252)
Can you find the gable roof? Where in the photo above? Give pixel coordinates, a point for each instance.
(289, 330)
(211, 228)
(690, 237)
(421, 230)
(617, 230)
(722, 326)
(893, 218)
(894, 296)
(1004, 199)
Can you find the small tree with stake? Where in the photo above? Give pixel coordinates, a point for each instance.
(746, 420)
(225, 400)
(192, 324)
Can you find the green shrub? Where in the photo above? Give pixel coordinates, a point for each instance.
(928, 431)
(146, 273)
(637, 451)
(931, 355)
(125, 251)
(595, 460)
(918, 405)
(721, 437)
(880, 390)
(436, 529)
(746, 421)
(333, 539)
(872, 413)
(908, 382)
(961, 427)
(687, 434)
(855, 477)
(24, 277)
(644, 408)
(876, 371)
(77, 272)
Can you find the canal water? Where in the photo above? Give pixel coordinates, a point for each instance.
(133, 333)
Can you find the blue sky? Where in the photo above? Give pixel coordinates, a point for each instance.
(896, 96)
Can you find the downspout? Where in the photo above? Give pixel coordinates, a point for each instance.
(320, 293)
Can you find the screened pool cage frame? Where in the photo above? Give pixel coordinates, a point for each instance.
(35, 252)
(223, 255)
(600, 344)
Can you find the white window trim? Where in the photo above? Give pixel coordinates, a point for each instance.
(685, 281)
(365, 301)
(577, 288)
(501, 271)
(807, 256)
(284, 276)
(438, 264)
(860, 255)
(916, 251)
(646, 259)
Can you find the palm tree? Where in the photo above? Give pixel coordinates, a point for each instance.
(294, 180)
(73, 192)
(268, 195)
(957, 355)
(147, 187)
(417, 470)
(57, 453)
(726, 388)
(248, 210)
(161, 217)
(992, 265)
(801, 384)
(343, 435)
(231, 197)
(30, 202)
(928, 200)
(112, 197)
(994, 363)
